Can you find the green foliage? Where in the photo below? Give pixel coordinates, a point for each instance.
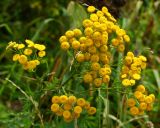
(25, 97)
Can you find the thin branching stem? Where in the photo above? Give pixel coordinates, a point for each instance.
(30, 99)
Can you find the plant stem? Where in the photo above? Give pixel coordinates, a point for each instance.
(75, 123)
(32, 101)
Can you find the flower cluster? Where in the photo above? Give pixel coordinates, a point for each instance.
(70, 107)
(131, 71)
(28, 54)
(91, 45)
(140, 101)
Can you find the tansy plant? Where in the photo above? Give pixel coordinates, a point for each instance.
(28, 54)
(92, 46)
(70, 107)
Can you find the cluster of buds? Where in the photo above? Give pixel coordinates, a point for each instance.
(70, 107)
(131, 71)
(28, 54)
(91, 45)
(140, 102)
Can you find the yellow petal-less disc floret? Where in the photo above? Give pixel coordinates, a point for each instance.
(63, 98)
(141, 88)
(28, 51)
(20, 46)
(55, 99)
(65, 45)
(63, 39)
(97, 82)
(72, 99)
(138, 94)
(91, 110)
(16, 57)
(126, 82)
(66, 114)
(91, 9)
(87, 78)
(81, 102)
(80, 57)
(131, 102)
(54, 107)
(75, 45)
(41, 53)
(142, 106)
(77, 32)
(69, 34)
(22, 59)
(77, 109)
(134, 111)
(148, 99)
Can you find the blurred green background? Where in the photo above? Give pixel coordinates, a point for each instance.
(44, 22)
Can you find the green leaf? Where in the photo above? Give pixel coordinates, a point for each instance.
(77, 13)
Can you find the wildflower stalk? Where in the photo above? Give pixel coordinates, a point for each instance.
(30, 99)
(120, 105)
(75, 123)
(99, 108)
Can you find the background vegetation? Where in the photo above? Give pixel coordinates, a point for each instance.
(45, 21)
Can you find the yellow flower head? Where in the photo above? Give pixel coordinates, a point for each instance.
(20, 46)
(106, 79)
(87, 78)
(95, 66)
(91, 9)
(63, 99)
(72, 99)
(69, 34)
(76, 45)
(54, 107)
(134, 111)
(55, 99)
(136, 76)
(138, 94)
(63, 39)
(22, 59)
(152, 96)
(41, 53)
(81, 102)
(16, 57)
(77, 109)
(80, 57)
(126, 38)
(91, 110)
(148, 99)
(39, 47)
(131, 102)
(142, 106)
(87, 23)
(87, 105)
(28, 51)
(66, 114)
(126, 82)
(97, 82)
(93, 17)
(65, 45)
(141, 88)
(10, 44)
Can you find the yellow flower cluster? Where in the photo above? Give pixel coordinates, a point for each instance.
(91, 44)
(140, 102)
(28, 54)
(70, 107)
(131, 71)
